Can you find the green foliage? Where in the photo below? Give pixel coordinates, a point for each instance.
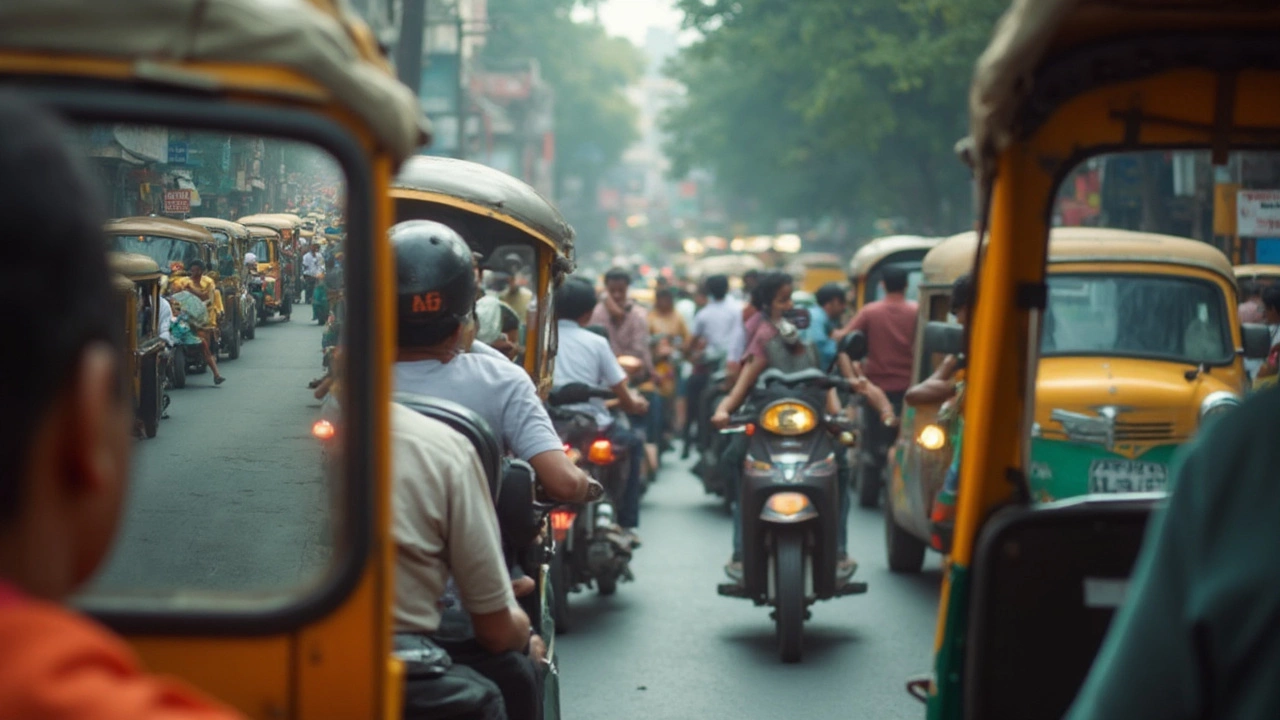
(809, 108)
(587, 69)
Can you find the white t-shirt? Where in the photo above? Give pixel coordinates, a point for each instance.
(717, 322)
(443, 524)
(494, 388)
(311, 264)
(166, 321)
(585, 357)
(481, 348)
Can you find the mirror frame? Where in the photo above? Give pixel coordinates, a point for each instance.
(82, 102)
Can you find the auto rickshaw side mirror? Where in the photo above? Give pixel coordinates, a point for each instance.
(854, 345)
(1256, 341)
(943, 338)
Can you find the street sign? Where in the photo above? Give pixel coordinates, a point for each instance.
(177, 201)
(1258, 213)
(177, 152)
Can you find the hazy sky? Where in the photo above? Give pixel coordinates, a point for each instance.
(630, 18)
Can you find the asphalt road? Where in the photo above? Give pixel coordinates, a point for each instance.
(667, 646)
(230, 496)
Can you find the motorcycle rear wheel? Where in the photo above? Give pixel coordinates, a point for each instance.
(607, 585)
(789, 614)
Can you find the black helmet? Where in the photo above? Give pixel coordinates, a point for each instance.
(435, 281)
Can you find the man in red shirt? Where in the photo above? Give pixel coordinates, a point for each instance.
(65, 422)
(890, 327)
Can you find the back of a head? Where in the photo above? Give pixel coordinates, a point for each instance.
(435, 282)
(827, 293)
(894, 279)
(961, 293)
(49, 243)
(717, 286)
(573, 299)
(1271, 298)
(766, 290)
(1248, 290)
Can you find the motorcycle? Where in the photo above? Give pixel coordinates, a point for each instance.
(711, 444)
(590, 547)
(790, 497)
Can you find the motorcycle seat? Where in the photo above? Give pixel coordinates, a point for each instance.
(473, 427)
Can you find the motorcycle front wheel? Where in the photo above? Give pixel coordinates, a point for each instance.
(789, 613)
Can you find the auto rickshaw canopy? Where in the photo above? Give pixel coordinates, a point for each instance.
(481, 190)
(1255, 271)
(232, 229)
(160, 227)
(735, 265)
(275, 221)
(872, 252)
(173, 33)
(135, 266)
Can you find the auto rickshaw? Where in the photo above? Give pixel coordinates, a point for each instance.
(905, 251)
(130, 71)
(270, 286)
(813, 270)
(1110, 292)
(1263, 275)
(175, 241)
(240, 315)
(137, 279)
(499, 216)
(1030, 589)
(289, 254)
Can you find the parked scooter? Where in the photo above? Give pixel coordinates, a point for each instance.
(790, 497)
(590, 547)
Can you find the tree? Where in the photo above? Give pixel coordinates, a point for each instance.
(828, 107)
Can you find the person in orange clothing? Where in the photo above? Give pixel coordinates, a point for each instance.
(65, 421)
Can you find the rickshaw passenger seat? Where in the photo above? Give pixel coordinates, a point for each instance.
(471, 425)
(1046, 583)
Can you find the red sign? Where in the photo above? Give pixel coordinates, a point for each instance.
(177, 201)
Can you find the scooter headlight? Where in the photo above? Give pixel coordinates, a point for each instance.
(787, 504)
(788, 418)
(932, 437)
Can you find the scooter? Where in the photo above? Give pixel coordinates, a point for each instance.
(711, 444)
(790, 497)
(590, 547)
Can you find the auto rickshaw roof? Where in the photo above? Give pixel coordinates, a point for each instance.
(286, 33)
(1032, 30)
(816, 260)
(120, 283)
(272, 220)
(1256, 271)
(484, 190)
(133, 265)
(234, 229)
(872, 252)
(735, 265)
(159, 227)
(954, 256)
(260, 231)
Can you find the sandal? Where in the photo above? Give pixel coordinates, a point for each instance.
(219, 380)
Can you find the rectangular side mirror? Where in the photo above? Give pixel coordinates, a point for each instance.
(943, 337)
(1256, 340)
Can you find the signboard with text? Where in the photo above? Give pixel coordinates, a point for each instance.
(177, 201)
(1258, 213)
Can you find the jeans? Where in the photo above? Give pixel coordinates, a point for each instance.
(308, 287)
(693, 397)
(651, 422)
(512, 672)
(633, 443)
(731, 462)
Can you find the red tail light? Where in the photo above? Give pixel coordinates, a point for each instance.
(323, 429)
(561, 522)
(601, 452)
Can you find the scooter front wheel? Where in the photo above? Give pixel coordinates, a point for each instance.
(789, 575)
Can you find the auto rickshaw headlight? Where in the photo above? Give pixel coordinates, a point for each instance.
(932, 437)
(788, 418)
(1217, 404)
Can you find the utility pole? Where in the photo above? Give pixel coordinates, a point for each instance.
(461, 99)
(413, 24)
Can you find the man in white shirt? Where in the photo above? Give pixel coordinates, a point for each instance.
(312, 269)
(436, 323)
(717, 334)
(585, 357)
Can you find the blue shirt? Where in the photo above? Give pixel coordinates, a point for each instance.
(819, 335)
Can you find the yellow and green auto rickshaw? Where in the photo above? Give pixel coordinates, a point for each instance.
(292, 617)
(1137, 351)
(1126, 90)
(240, 315)
(269, 286)
(905, 251)
(137, 278)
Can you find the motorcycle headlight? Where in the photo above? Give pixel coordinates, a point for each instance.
(932, 437)
(788, 418)
(1217, 404)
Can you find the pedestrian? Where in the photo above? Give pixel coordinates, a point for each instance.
(312, 271)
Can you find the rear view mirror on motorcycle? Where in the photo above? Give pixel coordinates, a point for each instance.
(944, 338)
(854, 345)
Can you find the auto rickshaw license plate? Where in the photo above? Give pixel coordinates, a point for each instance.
(1117, 476)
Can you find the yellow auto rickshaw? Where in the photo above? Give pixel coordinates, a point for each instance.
(513, 228)
(269, 286)
(905, 251)
(813, 270)
(246, 565)
(1029, 589)
(240, 315)
(1262, 276)
(288, 254)
(137, 281)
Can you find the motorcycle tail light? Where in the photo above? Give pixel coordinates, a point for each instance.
(323, 429)
(575, 455)
(601, 452)
(561, 522)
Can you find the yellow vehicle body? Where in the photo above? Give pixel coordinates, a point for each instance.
(866, 264)
(137, 281)
(327, 655)
(1037, 108)
(230, 272)
(811, 271)
(1263, 275)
